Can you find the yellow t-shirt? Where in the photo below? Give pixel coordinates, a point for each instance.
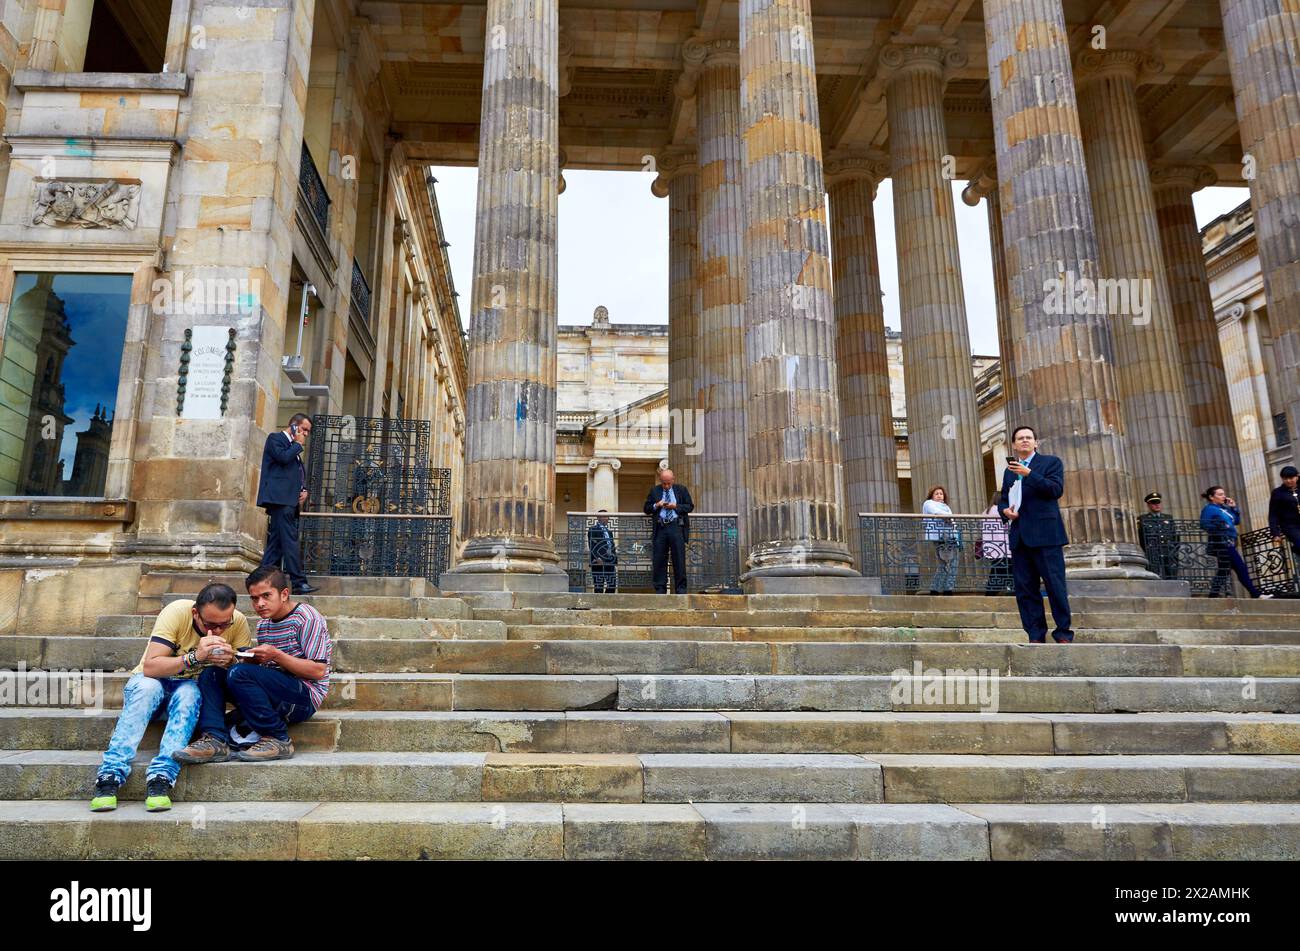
(175, 628)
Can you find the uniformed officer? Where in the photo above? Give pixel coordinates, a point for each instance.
(1159, 537)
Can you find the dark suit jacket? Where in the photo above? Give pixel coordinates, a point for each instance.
(1283, 516)
(602, 549)
(683, 510)
(283, 476)
(1040, 524)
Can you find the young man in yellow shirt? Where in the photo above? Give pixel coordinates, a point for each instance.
(187, 637)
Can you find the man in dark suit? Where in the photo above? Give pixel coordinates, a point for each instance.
(1030, 487)
(604, 556)
(670, 506)
(1284, 511)
(281, 490)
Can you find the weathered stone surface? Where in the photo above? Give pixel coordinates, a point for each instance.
(562, 777)
(432, 831)
(622, 832)
(715, 777)
(772, 831)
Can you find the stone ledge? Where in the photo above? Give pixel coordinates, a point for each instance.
(39, 79)
(67, 510)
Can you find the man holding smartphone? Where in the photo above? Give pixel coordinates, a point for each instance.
(282, 490)
(187, 638)
(1030, 487)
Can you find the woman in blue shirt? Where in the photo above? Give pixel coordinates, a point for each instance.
(1220, 519)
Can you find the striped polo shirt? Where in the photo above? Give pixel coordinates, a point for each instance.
(301, 633)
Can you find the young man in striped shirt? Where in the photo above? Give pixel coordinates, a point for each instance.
(284, 682)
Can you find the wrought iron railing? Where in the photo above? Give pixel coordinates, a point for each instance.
(375, 506)
(376, 546)
(1272, 562)
(360, 292)
(911, 554)
(712, 553)
(314, 191)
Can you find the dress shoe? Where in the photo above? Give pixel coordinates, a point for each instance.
(305, 589)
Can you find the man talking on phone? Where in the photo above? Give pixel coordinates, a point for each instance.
(1030, 487)
(282, 490)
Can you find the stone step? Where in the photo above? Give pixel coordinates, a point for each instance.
(682, 777)
(900, 620)
(377, 606)
(868, 634)
(187, 584)
(448, 691)
(438, 628)
(61, 829)
(610, 731)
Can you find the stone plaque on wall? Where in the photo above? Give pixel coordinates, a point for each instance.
(203, 383)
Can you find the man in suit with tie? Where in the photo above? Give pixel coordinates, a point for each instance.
(604, 556)
(1030, 487)
(670, 506)
(281, 490)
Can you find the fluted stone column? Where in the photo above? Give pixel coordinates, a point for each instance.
(1218, 458)
(679, 182)
(722, 471)
(510, 412)
(943, 431)
(1262, 38)
(866, 412)
(1251, 410)
(1016, 403)
(1157, 424)
(604, 479)
(792, 421)
(1064, 359)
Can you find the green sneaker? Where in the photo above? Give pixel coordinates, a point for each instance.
(105, 799)
(158, 794)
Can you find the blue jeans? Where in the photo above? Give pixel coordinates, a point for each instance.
(1229, 560)
(269, 699)
(141, 698)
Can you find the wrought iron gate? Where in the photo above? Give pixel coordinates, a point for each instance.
(375, 507)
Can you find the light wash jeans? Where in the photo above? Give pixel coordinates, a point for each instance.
(142, 697)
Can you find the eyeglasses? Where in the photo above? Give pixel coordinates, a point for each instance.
(213, 625)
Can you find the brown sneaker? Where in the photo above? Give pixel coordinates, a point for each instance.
(265, 750)
(206, 749)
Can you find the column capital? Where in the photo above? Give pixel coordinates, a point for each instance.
(1187, 176)
(901, 57)
(673, 162)
(699, 53)
(562, 159)
(872, 167)
(1093, 64)
(1230, 314)
(983, 183)
(598, 461)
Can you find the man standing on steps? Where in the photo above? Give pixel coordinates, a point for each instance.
(670, 506)
(604, 555)
(1158, 535)
(1284, 511)
(282, 490)
(284, 682)
(1030, 487)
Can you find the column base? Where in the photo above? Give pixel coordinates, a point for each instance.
(468, 579)
(810, 584)
(1126, 588)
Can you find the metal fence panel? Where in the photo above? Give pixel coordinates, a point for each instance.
(712, 553)
(376, 546)
(966, 554)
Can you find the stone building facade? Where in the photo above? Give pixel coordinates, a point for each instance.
(176, 148)
(1251, 358)
(172, 175)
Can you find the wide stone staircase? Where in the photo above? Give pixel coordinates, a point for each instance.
(553, 726)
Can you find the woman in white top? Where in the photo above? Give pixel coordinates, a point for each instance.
(943, 535)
